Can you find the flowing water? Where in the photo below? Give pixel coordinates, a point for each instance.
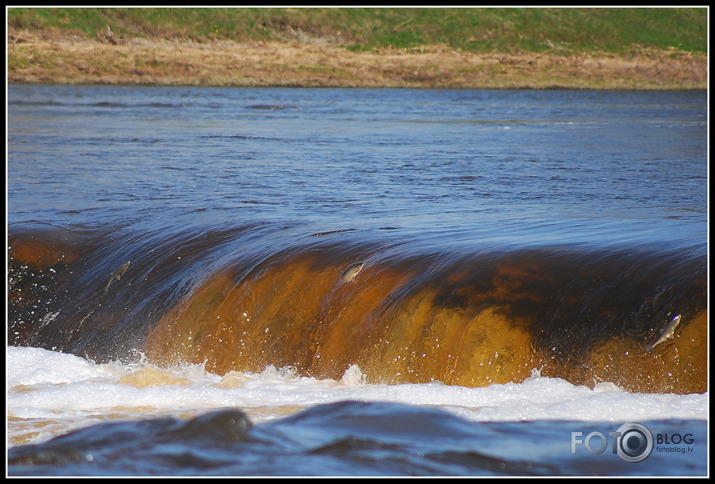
(179, 301)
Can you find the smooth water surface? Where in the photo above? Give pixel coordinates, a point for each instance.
(525, 167)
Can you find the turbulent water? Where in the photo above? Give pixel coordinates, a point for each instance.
(179, 297)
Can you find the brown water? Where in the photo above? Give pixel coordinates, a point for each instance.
(470, 319)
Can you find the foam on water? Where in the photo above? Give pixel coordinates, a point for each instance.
(50, 393)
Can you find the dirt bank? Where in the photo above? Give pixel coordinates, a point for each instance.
(35, 58)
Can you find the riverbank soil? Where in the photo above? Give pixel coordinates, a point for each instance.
(65, 59)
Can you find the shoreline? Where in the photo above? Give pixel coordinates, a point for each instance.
(33, 59)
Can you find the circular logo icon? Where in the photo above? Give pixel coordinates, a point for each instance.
(634, 443)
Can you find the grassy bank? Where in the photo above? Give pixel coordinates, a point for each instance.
(635, 48)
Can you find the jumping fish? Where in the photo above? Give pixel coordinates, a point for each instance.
(352, 271)
(667, 333)
(117, 275)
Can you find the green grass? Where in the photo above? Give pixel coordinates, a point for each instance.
(616, 30)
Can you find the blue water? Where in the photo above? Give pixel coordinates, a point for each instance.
(526, 167)
(360, 439)
(433, 170)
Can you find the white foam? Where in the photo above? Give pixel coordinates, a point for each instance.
(43, 384)
(33, 366)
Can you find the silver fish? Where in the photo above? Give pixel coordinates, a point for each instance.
(668, 332)
(352, 271)
(117, 275)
